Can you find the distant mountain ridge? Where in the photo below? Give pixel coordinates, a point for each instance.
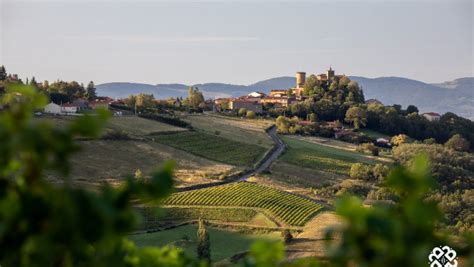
(455, 96)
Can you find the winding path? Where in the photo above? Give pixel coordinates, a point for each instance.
(269, 158)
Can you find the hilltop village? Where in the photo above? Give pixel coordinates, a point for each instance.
(255, 101)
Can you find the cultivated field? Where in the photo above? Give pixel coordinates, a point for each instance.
(223, 243)
(249, 131)
(111, 161)
(213, 147)
(287, 208)
(321, 157)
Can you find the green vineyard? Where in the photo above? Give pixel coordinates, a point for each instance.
(213, 147)
(290, 209)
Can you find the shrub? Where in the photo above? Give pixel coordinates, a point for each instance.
(116, 135)
(251, 114)
(242, 111)
(286, 236)
(361, 171)
(458, 143)
(400, 139)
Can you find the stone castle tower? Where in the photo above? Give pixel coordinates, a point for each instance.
(300, 79)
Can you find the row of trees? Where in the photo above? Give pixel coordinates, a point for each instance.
(58, 91)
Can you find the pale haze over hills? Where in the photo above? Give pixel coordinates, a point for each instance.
(453, 96)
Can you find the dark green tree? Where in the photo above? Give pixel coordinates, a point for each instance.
(3, 73)
(412, 109)
(91, 91)
(204, 244)
(357, 116)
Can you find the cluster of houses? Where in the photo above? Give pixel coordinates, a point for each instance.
(277, 97)
(78, 106)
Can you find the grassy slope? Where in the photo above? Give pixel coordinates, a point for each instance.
(320, 157)
(131, 125)
(223, 243)
(213, 147)
(101, 160)
(237, 129)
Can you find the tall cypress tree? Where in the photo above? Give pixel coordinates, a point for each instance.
(204, 245)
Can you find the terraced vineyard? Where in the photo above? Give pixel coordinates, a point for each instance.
(213, 147)
(288, 208)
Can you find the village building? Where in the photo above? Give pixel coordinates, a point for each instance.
(80, 104)
(52, 108)
(431, 116)
(236, 104)
(256, 95)
(283, 101)
(278, 93)
(97, 103)
(69, 108)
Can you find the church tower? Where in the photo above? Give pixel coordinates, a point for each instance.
(330, 73)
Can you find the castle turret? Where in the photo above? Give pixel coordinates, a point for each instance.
(300, 79)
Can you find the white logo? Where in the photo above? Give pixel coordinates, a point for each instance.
(443, 257)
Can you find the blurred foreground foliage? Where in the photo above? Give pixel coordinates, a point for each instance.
(61, 225)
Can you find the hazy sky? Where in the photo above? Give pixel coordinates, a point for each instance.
(235, 41)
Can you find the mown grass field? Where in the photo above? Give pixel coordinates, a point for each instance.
(320, 157)
(290, 209)
(248, 131)
(213, 147)
(223, 243)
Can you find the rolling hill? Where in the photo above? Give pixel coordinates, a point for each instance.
(453, 96)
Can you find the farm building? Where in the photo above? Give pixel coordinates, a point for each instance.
(237, 104)
(52, 108)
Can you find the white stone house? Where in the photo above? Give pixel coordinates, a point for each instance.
(432, 116)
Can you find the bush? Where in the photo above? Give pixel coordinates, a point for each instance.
(286, 236)
(251, 114)
(400, 139)
(458, 143)
(242, 111)
(116, 135)
(361, 171)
